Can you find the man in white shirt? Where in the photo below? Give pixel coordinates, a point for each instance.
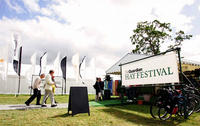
(36, 91)
(48, 89)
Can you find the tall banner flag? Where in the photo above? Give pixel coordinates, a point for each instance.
(56, 64)
(20, 59)
(43, 63)
(93, 68)
(63, 66)
(75, 63)
(17, 54)
(17, 57)
(3, 62)
(82, 68)
(33, 62)
(31, 71)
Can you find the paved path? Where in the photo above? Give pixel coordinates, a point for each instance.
(60, 105)
(24, 107)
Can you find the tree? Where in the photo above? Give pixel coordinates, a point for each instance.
(149, 36)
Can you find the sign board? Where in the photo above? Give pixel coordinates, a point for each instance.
(152, 70)
(78, 100)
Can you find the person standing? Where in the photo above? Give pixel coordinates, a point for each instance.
(102, 88)
(48, 89)
(36, 91)
(98, 90)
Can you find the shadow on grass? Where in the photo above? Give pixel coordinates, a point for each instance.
(63, 115)
(126, 106)
(138, 118)
(134, 107)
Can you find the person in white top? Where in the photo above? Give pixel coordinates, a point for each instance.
(36, 91)
(48, 89)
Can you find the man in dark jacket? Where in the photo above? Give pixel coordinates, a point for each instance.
(102, 88)
(98, 90)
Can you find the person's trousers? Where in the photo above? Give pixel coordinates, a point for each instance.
(48, 93)
(98, 96)
(36, 93)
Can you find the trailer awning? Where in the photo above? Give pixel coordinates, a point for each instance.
(115, 69)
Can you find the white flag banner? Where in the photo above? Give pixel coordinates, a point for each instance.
(33, 62)
(28, 74)
(17, 50)
(16, 42)
(3, 62)
(56, 65)
(82, 68)
(75, 63)
(31, 70)
(153, 70)
(43, 63)
(93, 68)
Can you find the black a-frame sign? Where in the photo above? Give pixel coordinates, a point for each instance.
(78, 100)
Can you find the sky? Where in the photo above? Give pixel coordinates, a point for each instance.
(99, 29)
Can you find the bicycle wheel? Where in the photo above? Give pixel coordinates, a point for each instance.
(163, 113)
(190, 107)
(197, 104)
(154, 108)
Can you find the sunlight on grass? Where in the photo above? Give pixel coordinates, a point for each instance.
(11, 99)
(126, 115)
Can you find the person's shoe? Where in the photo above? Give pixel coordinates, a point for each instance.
(38, 104)
(53, 105)
(27, 104)
(43, 105)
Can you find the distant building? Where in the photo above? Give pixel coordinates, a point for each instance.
(189, 65)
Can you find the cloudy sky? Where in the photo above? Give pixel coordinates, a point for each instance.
(93, 28)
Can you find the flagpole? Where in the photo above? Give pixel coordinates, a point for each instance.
(19, 70)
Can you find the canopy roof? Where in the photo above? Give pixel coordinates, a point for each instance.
(115, 69)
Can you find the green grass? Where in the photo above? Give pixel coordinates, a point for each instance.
(127, 115)
(101, 115)
(105, 103)
(11, 99)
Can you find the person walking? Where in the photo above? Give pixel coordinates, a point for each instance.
(36, 91)
(48, 89)
(54, 87)
(53, 90)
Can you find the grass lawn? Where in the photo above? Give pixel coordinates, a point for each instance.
(127, 115)
(11, 99)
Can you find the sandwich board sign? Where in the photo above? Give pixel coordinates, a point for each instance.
(156, 69)
(78, 101)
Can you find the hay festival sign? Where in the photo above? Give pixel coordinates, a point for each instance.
(151, 70)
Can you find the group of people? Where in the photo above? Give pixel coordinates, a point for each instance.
(99, 87)
(49, 87)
